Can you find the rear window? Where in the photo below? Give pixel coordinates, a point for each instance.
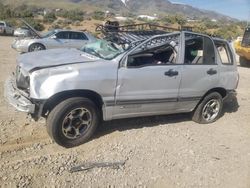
(1, 24)
(199, 50)
(224, 53)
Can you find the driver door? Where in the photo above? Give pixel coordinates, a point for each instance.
(146, 87)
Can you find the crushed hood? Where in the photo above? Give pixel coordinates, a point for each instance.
(52, 58)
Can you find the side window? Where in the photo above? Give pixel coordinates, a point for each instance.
(155, 56)
(62, 35)
(78, 36)
(225, 53)
(199, 50)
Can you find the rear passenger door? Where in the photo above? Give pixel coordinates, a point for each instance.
(200, 72)
(77, 39)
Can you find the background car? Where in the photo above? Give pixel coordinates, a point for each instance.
(22, 32)
(57, 38)
(53, 39)
(6, 28)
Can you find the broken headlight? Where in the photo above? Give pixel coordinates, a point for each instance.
(22, 79)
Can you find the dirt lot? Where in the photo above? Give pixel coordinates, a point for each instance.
(162, 151)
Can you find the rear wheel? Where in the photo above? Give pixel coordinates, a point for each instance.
(36, 47)
(244, 62)
(209, 110)
(73, 121)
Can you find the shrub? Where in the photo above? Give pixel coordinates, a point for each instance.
(49, 17)
(74, 15)
(36, 24)
(98, 15)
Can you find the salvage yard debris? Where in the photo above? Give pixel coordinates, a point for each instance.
(90, 165)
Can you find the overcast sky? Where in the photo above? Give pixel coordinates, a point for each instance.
(235, 8)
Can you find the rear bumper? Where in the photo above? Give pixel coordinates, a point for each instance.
(16, 98)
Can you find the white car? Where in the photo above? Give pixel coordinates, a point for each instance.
(22, 32)
(57, 38)
(6, 28)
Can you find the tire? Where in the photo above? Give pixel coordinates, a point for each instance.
(244, 62)
(36, 47)
(204, 109)
(69, 116)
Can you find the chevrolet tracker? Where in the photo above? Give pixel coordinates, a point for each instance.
(144, 75)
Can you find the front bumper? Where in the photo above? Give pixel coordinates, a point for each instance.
(16, 98)
(18, 47)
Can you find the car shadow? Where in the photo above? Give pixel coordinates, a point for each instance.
(139, 123)
(230, 106)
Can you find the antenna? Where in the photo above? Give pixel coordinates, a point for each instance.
(248, 19)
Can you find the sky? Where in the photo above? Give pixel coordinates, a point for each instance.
(239, 9)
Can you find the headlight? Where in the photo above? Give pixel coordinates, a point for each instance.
(22, 79)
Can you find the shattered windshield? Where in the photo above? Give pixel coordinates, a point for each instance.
(103, 49)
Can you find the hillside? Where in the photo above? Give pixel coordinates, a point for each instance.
(149, 7)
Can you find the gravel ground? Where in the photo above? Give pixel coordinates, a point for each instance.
(161, 151)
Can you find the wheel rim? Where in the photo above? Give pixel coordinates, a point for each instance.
(36, 48)
(76, 123)
(211, 110)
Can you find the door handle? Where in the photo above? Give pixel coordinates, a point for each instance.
(212, 71)
(171, 73)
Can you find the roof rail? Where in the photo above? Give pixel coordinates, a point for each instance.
(135, 33)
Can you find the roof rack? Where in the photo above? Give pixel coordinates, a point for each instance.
(132, 34)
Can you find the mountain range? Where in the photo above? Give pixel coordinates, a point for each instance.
(149, 7)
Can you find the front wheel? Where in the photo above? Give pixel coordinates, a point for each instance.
(36, 47)
(73, 121)
(209, 110)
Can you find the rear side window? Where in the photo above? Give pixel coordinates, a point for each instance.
(199, 50)
(224, 53)
(62, 35)
(78, 36)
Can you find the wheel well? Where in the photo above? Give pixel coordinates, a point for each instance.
(220, 90)
(36, 43)
(59, 97)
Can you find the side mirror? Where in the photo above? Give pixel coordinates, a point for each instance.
(54, 37)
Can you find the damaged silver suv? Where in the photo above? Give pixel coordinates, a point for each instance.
(164, 74)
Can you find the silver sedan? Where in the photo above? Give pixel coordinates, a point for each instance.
(53, 39)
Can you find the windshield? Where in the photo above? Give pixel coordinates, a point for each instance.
(103, 49)
(48, 34)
